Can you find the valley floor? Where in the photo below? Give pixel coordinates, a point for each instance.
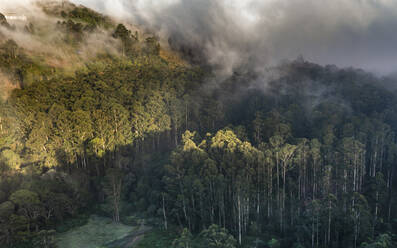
(101, 232)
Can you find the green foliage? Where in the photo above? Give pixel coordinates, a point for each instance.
(25, 200)
(19, 67)
(82, 125)
(382, 241)
(217, 237)
(129, 42)
(74, 31)
(69, 224)
(122, 32)
(9, 160)
(45, 239)
(89, 16)
(311, 160)
(184, 241)
(152, 46)
(273, 243)
(6, 210)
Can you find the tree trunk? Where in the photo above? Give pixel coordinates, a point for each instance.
(239, 217)
(164, 213)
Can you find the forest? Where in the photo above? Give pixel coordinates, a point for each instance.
(305, 159)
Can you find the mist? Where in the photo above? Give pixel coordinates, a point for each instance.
(357, 33)
(49, 36)
(20, 7)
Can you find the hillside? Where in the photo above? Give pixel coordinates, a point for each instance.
(99, 117)
(59, 39)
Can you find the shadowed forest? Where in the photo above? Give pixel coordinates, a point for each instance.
(306, 158)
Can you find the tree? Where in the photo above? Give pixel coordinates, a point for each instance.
(45, 239)
(28, 205)
(184, 241)
(122, 32)
(315, 153)
(359, 216)
(276, 142)
(286, 153)
(217, 237)
(177, 116)
(9, 160)
(152, 46)
(6, 210)
(11, 49)
(113, 189)
(126, 38)
(3, 21)
(382, 241)
(273, 243)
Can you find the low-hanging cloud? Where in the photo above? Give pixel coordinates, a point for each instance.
(232, 33)
(359, 33)
(18, 6)
(48, 41)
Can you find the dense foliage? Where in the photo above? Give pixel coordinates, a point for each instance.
(306, 159)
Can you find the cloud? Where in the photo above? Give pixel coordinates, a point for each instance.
(359, 33)
(256, 33)
(13, 5)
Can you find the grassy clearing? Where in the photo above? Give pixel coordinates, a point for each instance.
(157, 239)
(95, 234)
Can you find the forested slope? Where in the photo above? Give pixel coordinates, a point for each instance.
(305, 158)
